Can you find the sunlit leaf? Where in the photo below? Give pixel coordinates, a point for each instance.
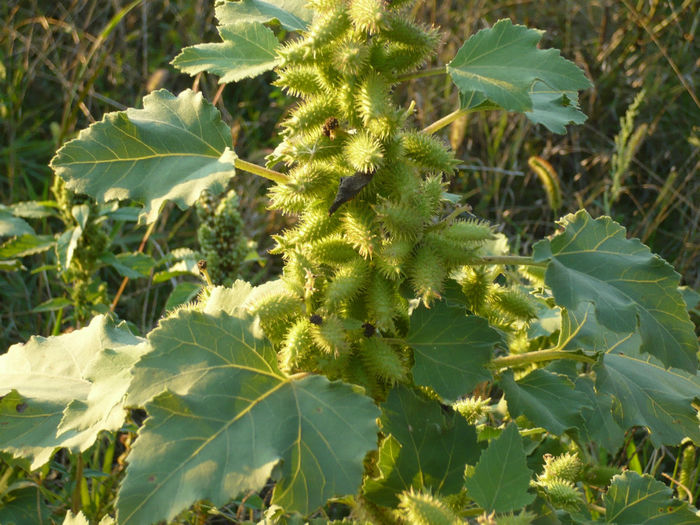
(172, 149)
(632, 289)
(293, 15)
(64, 390)
(247, 50)
(502, 65)
(224, 418)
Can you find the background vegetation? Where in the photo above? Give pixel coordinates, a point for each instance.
(64, 64)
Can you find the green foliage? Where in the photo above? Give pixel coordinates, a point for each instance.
(179, 140)
(494, 487)
(323, 390)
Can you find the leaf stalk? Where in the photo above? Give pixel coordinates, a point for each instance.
(272, 175)
(520, 360)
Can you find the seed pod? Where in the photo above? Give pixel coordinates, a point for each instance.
(334, 249)
(298, 345)
(311, 113)
(358, 228)
(513, 303)
(422, 508)
(392, 256)
(364, 152)
(351, 55)
(382, 360)
(427, 274)
(402, 220)
(566, 467)
(477, 283)
(402, 30)
(452, 252)
(367, 15)
(315, 224)
(380, 297)
(472, 231)
(428, 152)
(433, 188)
(299, 81)
(330, 336)
(562, 494)
(347, 283)
(328, 26)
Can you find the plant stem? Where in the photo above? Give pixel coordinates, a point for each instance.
(445, 121)
(272, 175)
(430, 72)
(537, 357)
(518, 260)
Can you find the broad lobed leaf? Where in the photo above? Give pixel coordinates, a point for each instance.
(633, 499)
(293, 15)
(172, 149)
(64, 390)
(424, 448)
(223, 419)
(547, 399)
(503, 65)
(450, 349)
(630, 288)
(501, 478)
(248, 49)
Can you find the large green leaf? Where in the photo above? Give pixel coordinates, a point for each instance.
(224, 419)
(64, 390)
(501, 477)
(503, 65)
(651, 396)
(632, 289)
(450, 349)
(632, 389)
(247, 50)
(293, 15)
(172, 149)
(424, 448)
(635, 500)
(547, 399)
(599, 424)
(554, 109)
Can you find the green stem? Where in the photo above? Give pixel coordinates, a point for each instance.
(519, 360)
(272, 175)
(78, 478)
(430, 72)
(445, 121)
(449, 119)
(518, 260)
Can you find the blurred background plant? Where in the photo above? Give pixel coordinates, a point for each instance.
(63, 258)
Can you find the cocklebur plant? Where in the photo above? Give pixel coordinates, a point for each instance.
(346, 379)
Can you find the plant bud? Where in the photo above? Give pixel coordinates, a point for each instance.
(428, 152)
(363, 152)
(422, 508)
(382, 360)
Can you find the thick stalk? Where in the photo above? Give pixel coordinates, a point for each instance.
(519, 360)
(449, 119)
(518, 260)
(430, 72)
(272, 175)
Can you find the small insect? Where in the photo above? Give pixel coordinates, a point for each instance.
(330, 126)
